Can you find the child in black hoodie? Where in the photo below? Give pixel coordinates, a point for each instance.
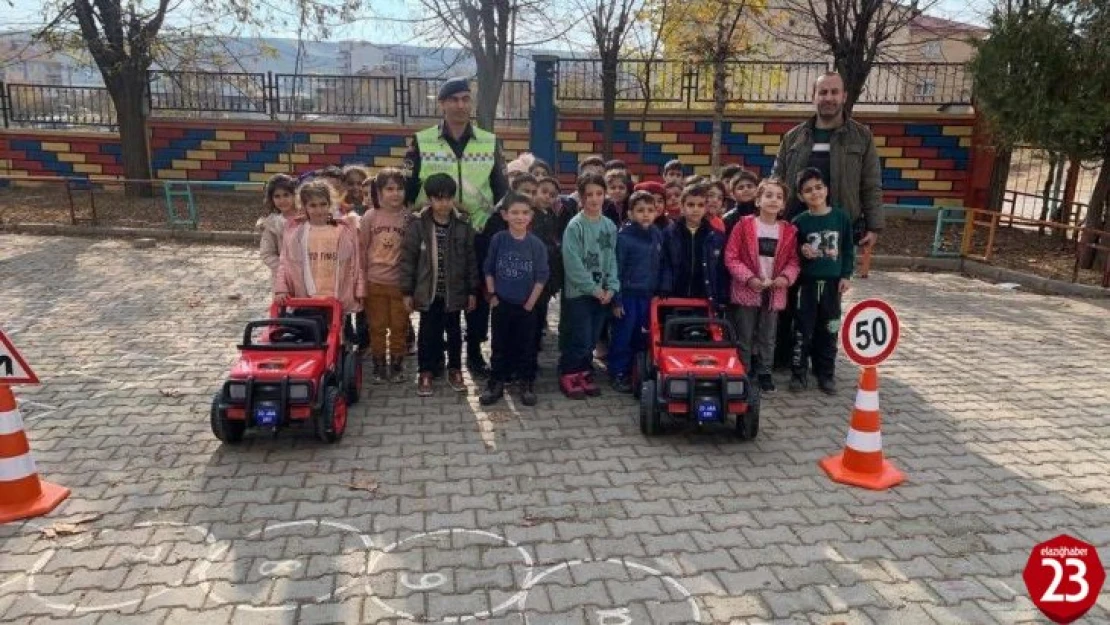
(744, 185)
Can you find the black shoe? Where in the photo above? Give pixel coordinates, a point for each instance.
(493, 393)
(477, 367)
(798, 383)
(767, 383)
(827, 385)
(621, 384)
(527, 393)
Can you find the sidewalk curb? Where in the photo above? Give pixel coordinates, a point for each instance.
(178, 236)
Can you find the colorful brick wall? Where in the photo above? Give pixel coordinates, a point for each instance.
(925, 161)
(211, 151)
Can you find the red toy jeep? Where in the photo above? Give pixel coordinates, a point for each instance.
(692, 369)
(298, 367)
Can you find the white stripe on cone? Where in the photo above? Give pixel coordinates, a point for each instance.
(17, 468)
(866, 442)
(867, 400)
(10, 422)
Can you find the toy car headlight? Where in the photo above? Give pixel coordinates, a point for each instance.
(736, 388)
(677, 387)
(237, 390)
(299, 391)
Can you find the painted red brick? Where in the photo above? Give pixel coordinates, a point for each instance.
(938, 163)
(167, 133)
(357, 139)
(202, 174)
(693, 137)
(216, 165)
(32, 166)
(231, 155)
(261, 135)
(954, 174)
(15, 155)
(102, 159)
(340, 148)
(159, 143)
(903, 142)
(888, 130)
(590, 136)
(777, 128)
(576, 124)
(246, 146)
(703, 148)
(920, 153)
(84, 148)
(112, 170)
(678, 126)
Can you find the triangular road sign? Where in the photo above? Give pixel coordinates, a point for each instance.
(13, 369)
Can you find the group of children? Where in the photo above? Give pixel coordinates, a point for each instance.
(605, 250)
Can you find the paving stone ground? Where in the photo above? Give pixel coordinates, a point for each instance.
(996, 406)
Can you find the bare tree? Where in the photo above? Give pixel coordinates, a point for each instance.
(655, 20)
(610, 22)
(855, 33)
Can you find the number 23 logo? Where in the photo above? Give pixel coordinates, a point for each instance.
(1080, 577)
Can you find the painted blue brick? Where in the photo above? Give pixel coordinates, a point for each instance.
(373, 150)
(59, 167)
(170, 153)
(892, 174)
(262, 157)
(748, 151)
(111, 148)
(39, 155)
(960, 163)
(900, 185)
(922, 130)
(956, 154)
(248, 165)
(235, 176)
(627, 137)
(200, 133)
(916, 201)
(295, 137)
(652, 148)
(25, 145)
(734, 138)
(703, 127)
(941, 142)
(763, 162)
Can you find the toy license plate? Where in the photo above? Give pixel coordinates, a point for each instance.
(707, 411)
(265, 416)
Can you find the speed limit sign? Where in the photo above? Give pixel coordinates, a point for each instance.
(869, 333)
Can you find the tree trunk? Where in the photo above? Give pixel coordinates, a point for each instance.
(128, 93)
(1046, 192)
(646, 107)
(1097, 216)
(855, 78)
(608, 103)
(490, 80)
(999, 178)
(720, 101)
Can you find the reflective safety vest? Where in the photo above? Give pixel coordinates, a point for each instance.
(471, 172)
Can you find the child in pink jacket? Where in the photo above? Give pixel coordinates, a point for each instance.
(762, 257)
(320, 257)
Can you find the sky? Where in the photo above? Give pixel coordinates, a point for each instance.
(388, 27)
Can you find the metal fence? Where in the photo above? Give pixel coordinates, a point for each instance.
(231, 95)
(685, 85)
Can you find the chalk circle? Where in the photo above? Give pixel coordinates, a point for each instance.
(675, 604)
(418, 578)
(139, 562)
(260, 571)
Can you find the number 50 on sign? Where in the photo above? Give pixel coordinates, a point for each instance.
(870, 332)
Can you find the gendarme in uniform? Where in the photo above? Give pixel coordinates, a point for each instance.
(473, 158)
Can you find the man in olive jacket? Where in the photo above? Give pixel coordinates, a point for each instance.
(844, 151)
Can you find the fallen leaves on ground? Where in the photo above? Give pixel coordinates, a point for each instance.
(69, 528)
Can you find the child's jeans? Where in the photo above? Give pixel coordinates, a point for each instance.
(583, 318)
(385, 306)
(514, 346)
(429, 348)
(816, 327)
(755, 329)
(628, 334)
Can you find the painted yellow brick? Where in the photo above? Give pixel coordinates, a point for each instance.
(48, 146)
(695, 159)
(258, 176)
(965, 142)
(88, 168)
(578, 147)
(764, 139)
(292, 158)
(5, 163)
(935, 185)
(323, 137)
(178, 164)
(231, 135)
(958, 131)
(919, 174)
(703, 170)
(276, 168)
(245, 187)
(215, 145)
(679, 148)
(748, 128)
(889, 152)
(645, 126)
(200, 155)
(171, 174)
(948, 201)
(309, 148)
(880, 140)
(901, 163)
(566, 135)
(388, 161)
(69, 157)
(660, 137)
(398, 151)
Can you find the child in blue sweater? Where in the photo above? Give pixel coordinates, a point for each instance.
(639, 250)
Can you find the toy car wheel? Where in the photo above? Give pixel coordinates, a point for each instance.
(649, 410)
(331, 422)
(352, 377)
(227, 430)
(638, 377)
(747, 424)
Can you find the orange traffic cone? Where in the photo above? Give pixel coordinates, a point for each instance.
(861, 463)
(22, 494)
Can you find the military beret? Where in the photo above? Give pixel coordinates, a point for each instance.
(453, 86)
